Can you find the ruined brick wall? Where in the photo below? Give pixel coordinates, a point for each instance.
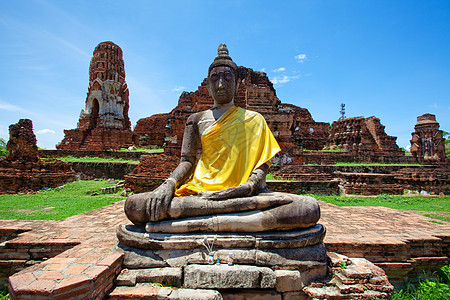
(22, 142)
(151, 131)
(151, 172)
(22, 171)
(362, 136)
(427, 141)
(104, 123)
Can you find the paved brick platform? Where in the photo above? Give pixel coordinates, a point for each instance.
(78, 257)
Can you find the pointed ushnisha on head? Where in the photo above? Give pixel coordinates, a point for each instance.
(223, 59)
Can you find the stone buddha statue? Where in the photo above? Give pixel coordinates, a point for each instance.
(224, 190)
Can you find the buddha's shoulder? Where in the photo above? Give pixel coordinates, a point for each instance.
(252, 114)
(200, 116)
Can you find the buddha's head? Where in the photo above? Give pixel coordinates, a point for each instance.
(223, 78)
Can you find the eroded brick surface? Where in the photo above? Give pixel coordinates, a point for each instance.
(22, 171)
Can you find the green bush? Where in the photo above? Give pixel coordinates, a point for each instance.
(3, 151)
(428, 289)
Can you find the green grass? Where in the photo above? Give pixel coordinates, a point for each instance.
(4, 295)
(270, 176)
(96, 159)
(57, 204)
(158, 150)
(433, 207)
(428, 289)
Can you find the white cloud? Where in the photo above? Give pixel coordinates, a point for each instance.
(282, 79)
(279, 70)
(434, 105)
(9, 107)
(263, 70)
(300, 58)
(178, 89)
(45, 131)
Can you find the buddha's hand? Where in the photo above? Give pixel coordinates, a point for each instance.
(233, 192)
(159, 201)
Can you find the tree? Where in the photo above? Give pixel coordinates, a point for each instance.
(3, 151)
(446, 136)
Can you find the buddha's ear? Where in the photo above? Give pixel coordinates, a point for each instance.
(208, 86)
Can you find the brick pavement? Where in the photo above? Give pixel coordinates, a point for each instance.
(84, 261)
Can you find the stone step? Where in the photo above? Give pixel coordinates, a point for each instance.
(149, 291)
(172, 277)
(333, 292)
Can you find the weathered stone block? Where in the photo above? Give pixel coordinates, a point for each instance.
(251, 295)
(126, 278)
(288, 281)
(225, 277)
(188, 294)
(295, 296)
(165, 276)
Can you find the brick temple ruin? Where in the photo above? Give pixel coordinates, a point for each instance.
(104, 123)
(22, 171)
(362, 136)
(427, 141)
(291, 125)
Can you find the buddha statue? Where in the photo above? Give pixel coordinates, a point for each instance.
(225, 189)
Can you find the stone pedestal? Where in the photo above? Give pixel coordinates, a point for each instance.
(268, 264)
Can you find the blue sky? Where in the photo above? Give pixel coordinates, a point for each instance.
(389, 59)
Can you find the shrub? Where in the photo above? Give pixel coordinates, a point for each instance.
(3, 151)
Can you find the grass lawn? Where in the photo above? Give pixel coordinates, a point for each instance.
(95, 159)
(433, 207)
(56, 204)
(157, 150)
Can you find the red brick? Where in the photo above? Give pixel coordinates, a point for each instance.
(71, 283)
(95, 271)
(21, 280)
(39, 287)
(92, 258)
(52, 275)
(75, 270)
(111, 260)
(73, 293)
(55, 267)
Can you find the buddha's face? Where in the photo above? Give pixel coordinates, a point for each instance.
(222, 84)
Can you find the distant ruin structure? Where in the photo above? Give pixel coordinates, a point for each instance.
(427, 141)
(292, 126)
(362, 136)
(22, 142)
(104, 123)
(22, 171)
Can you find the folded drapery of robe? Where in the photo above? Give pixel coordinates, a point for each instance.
(233, 147)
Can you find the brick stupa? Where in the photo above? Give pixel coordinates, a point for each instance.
(104, 123)
(427, 141)
(362, 136)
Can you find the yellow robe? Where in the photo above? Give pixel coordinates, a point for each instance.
(233, 147)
